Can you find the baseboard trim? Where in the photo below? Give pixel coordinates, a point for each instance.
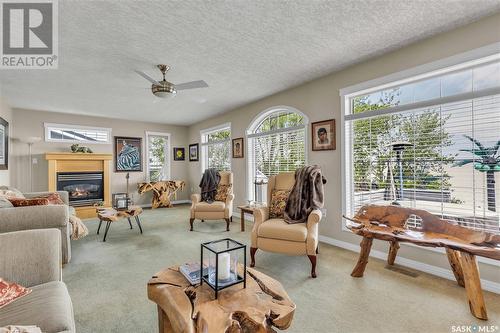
(488, 285)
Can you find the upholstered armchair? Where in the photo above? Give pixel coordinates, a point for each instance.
(217, 210)
(275, 235)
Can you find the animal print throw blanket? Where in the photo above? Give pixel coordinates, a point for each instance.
(79, 230)
(209, 182)
(306, 194)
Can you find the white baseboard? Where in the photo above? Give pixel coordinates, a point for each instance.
(434, 270)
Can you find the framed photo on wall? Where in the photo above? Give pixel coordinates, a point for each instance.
(179, 154)
(4, 144)
(194, 150)
(128, 154)
(238, 151)
(323, 135)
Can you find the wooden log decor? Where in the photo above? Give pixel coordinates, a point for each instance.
(259, 307)
(162, 191)
(389, 223)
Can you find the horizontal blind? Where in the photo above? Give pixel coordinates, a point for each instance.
(274, 153)
(216, 149)
(448, 165)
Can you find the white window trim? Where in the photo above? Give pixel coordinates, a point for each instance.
(420, 72)
(256, 122)
(203, 144)
(167, 157)
(48, 126)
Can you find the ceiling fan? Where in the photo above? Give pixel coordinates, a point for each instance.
(165, 89)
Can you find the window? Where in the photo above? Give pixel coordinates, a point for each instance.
(76, 134)
(276, 143)
(432, 144)
(216, 148)
(158, 148)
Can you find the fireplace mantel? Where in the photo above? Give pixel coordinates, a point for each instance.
(80, 162)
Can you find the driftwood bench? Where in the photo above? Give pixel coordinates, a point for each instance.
(389, 223)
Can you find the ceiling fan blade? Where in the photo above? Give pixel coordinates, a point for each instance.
(191, 85)
(147, 77)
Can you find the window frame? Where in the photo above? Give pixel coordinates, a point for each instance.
(249, 134)
(49, 126)
(204, 143)
(488, 53)
(168, 159)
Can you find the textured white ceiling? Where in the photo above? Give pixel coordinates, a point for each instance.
(244, 50)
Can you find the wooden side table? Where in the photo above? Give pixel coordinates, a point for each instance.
(247, 210)
(110, 215)
(261, 306)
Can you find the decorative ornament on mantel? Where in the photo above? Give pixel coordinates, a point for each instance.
(76, 148)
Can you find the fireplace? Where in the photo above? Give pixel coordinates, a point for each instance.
(84, 188)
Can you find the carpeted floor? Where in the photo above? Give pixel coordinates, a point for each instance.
(107, 282)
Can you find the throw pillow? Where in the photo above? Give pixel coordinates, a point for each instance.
(5, 191)
(17, 202)
(54, 198)
(5, 203)
(222, 192)
(10, 291)
(278, 203)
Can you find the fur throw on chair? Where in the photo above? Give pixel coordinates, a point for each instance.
(208, 184)
(306, 194)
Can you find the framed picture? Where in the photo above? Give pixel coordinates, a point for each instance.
(128, 154)
(238, 151)
(323, 135)
(194, 150)
(179, 154)
(120, 201)
(4, 144)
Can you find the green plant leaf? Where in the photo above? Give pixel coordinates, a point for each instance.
(476, 152)
(479, 144)
(462, 162)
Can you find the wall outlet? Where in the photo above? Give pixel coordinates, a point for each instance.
(323, 211)
(34, 160)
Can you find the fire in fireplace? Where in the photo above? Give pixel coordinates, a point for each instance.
(84, 188)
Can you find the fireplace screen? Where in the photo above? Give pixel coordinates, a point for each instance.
(84, 188)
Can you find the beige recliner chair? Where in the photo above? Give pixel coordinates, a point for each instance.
(218, 210)
(275, 235)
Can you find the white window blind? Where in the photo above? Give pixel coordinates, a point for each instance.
(276, 143)
(76, 134)
(158, 147)
(216, 148)
(433, 144)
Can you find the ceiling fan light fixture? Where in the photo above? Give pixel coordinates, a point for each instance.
(164, 90)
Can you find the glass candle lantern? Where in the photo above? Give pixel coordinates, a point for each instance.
(120, 201)
(223, 258)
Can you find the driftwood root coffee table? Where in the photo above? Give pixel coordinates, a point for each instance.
(259, 307)
(110, 215)
(390, 223)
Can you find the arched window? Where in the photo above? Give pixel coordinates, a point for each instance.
(276, 143)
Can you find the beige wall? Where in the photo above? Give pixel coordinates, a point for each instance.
(319, 100)
(31, 123)
(6, 113)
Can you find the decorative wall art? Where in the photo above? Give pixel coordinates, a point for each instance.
(128, 154)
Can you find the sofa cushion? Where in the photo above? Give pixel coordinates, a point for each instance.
(53, 197)
(279, 229)
(10, 192)
(48, 307)
(278, 203)
(216, 206)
